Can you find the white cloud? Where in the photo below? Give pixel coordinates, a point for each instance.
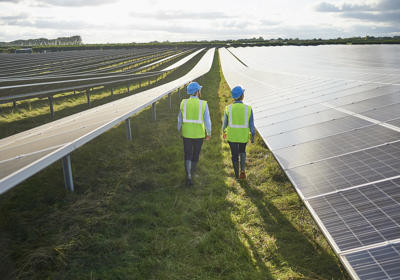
(65, 3)
(383, 11)
(99, 21)
(180, 15)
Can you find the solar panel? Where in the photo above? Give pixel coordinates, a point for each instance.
(264, 118)
(376, 263)
(395, 122)
(297, 123)
(361, 216)
(333, 124)
(377, 102)
(384, 113)
(348, 170)
(314, 132)
(339, 144)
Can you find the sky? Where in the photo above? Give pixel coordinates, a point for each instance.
(124, 21)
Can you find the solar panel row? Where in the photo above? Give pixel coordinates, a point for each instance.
(331, 117)
(26, 153)
(45, 75)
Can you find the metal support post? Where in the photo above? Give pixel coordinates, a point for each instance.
(51, 106)
(14, 104)
(170, 100)
(128, 129)
(127, 87)
(88, 96)
(154, 111)
(140, 83)
(68, 180)
(74, 91)
(112, 91)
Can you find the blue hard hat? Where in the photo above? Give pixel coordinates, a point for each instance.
(193, 87)
(237, 92)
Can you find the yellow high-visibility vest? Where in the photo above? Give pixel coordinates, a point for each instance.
(238, 129)
(192, 110)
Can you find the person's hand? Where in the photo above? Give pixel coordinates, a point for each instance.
(208, 137)
(224, 135)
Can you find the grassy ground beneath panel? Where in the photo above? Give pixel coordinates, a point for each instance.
(131, 216)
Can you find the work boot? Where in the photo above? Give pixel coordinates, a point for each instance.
(236, 168)
(242, 165)
(188, 168)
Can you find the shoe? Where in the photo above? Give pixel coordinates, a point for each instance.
(189, 182)
(242, 174)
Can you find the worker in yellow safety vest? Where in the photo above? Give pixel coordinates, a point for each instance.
(195, 123)
(238, 126)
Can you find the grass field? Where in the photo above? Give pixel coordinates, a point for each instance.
(131, 216)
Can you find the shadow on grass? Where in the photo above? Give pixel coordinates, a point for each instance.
(294, 249)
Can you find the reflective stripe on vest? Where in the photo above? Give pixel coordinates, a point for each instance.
(199, 120)
(246, 118)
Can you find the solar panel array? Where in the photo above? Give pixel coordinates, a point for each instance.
(331, 117)
(26, 153)
(42, 75)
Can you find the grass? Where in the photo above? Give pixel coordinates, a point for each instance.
(131, 216)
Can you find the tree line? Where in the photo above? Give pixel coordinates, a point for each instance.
(65, 45)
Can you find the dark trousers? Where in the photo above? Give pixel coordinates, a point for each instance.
(192, 148)
(236, 149)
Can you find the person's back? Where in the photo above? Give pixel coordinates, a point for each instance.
(238, 129)
(192, 110)
(237, 126)
(194, 121)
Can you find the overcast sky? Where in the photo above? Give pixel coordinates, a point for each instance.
(102, 21)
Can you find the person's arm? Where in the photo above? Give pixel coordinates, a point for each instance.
(179, 121)
(225, 122)
(207, 120)
(251, 124)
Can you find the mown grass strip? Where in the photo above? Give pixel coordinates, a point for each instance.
(132, 217)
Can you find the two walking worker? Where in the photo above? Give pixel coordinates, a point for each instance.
(195, 123)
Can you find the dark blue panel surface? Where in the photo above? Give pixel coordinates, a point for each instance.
(348, 170)
(377, 264)
(361, 216)
(335, 145)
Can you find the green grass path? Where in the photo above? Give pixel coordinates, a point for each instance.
(132, 218)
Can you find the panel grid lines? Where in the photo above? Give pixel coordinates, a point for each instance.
(316, 132)
(377, 263)
(371, 214)
(348, 170)
(333, 123)
(336, 145)
(344, 225)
